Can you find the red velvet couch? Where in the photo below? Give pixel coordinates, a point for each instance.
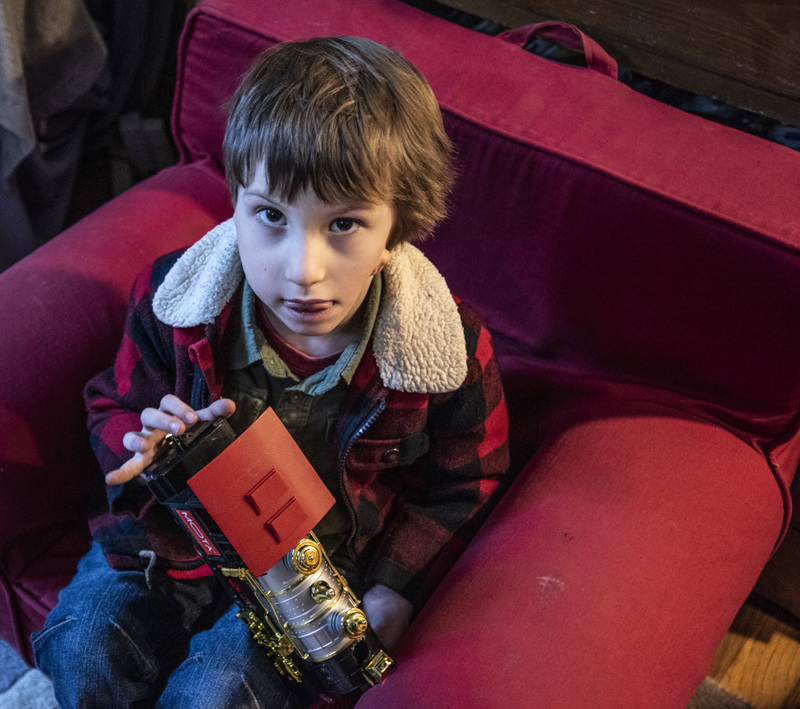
(640, 272)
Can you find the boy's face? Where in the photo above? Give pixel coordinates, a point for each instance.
(311, 263)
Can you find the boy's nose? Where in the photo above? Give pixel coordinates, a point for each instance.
(305, 262)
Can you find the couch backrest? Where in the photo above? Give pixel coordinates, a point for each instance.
(602, 235)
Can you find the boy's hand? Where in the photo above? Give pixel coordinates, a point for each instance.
(172, 416)
(388, 613)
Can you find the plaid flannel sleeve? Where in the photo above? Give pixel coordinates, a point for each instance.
(446, 496)
(142, 373)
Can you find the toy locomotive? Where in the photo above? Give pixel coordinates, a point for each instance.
(249, 504)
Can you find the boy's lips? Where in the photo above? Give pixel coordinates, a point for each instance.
(308, 304)
(309, 309)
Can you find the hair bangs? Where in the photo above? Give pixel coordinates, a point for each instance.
(347, 118)
(331, 157)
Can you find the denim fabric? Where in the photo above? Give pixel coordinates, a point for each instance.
(112, 641)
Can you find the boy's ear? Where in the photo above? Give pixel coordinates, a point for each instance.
(385, 257)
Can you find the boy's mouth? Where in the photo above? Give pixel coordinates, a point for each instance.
(310, 305)
(309, 309)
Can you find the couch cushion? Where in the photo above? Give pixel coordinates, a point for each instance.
(607, 575)
(602, 235)
(599, 232)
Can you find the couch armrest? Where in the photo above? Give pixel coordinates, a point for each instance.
(64, 308)
(606, 576)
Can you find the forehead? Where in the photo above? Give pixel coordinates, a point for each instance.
(260, 185)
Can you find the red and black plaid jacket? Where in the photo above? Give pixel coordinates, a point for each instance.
(418, 469)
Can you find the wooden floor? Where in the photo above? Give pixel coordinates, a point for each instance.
(759, 660)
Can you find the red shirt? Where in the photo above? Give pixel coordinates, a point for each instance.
(299, 363)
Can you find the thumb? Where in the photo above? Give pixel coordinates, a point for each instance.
(127, 471)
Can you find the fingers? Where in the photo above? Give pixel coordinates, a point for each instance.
(144, 443)
(128, 471)
(388, 613)
(144, 446)
(176, 417)
(172, 416)
(220, 409)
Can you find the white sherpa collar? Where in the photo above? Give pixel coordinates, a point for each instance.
(418, 340)
(202, 280)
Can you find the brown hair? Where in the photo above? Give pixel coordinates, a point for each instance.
(349, 118)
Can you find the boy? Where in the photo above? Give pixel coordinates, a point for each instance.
(309, 300)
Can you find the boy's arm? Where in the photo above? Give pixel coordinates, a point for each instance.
(445, 495)
(136, 402)
(143, 372)
(153, 364)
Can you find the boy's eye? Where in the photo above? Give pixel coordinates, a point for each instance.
(271, 216)
(343, 224)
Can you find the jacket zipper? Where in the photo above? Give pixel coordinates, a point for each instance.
(364, 426)
(200, 390)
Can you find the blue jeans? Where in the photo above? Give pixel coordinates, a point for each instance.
(112, 641)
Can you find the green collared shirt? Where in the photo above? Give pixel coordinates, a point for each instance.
(309, 408)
